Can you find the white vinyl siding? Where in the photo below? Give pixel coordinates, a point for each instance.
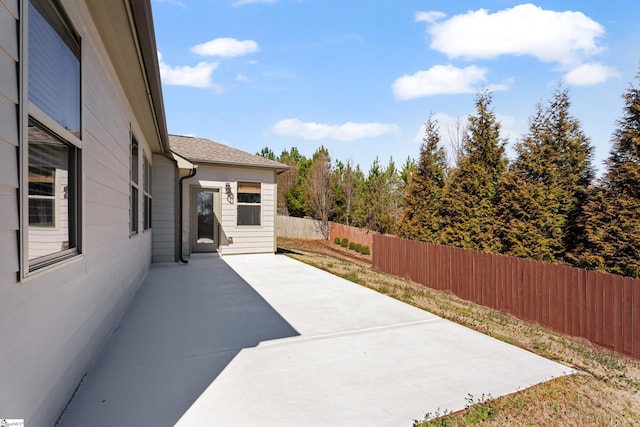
(56, 320)
(246, 239)
(164, 209)
(9, 182)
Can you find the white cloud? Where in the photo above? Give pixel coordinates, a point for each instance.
(226, 47)
(438, 80)
(243, 2)
(348, 131)
(562, 37)
(590, 74)
(241, 78)
(429, 17)
(198, 76)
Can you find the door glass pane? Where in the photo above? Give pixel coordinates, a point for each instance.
(205, 217)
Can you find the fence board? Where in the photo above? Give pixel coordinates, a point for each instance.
(582, 302)
(636, 318)
(508, 294)
(618, 343)
(590, 306)
(627, 313)
(608, 332)
(552, 274)
(544, 285)
(599, 304)
(574, 304)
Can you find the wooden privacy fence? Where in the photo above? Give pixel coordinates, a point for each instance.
(603, 308)
(297, 228)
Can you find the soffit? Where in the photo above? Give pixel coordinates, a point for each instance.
(131, 48)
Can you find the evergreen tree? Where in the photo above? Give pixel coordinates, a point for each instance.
(421, 217)
(381, 193)
(542, 192)
(291, 183)
(407, 171)
(471, 191)
(347, 202)
(267, 153)
(611, 217)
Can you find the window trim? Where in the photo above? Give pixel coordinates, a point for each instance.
(239, 204)
(27, 111)
(134, 187)
(75, 214)
(147, 195)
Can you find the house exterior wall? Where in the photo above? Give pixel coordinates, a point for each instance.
(9, 221)
(246, 239)
(55, 321)
(164, 209)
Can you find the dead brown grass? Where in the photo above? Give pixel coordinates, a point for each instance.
(606, 393)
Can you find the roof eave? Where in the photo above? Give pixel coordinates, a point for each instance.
(143, 21)
(240, 164)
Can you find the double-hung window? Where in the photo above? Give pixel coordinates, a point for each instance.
(52, 143)
(249, 203)
(146, 207)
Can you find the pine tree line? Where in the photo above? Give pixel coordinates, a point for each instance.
(542, 205)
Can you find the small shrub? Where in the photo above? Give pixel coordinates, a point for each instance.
(365, 250)
(352, 246)
(344, 242)
(336, 240)
(358, 247)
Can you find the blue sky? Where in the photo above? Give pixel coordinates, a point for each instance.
(361, 77)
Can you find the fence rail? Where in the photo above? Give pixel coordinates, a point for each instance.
(603, 308)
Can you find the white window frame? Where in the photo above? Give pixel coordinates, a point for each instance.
(29, 111)
(240, 204)
(147, 196)
(134, 195)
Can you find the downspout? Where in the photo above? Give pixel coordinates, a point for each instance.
(191, 175)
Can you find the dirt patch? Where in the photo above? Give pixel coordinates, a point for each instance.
(323, 247)
(606, 393)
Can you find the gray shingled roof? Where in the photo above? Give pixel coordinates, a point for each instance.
(200, 150)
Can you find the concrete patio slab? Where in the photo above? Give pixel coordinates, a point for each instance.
(361, 358)
(265, 340)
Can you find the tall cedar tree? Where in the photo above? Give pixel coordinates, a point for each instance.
(421, 216)
(291, 183)
(612, 215)
(471, 192)
(382, 192)
(542, 193)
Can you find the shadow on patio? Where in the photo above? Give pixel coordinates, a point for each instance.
(182, 329)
